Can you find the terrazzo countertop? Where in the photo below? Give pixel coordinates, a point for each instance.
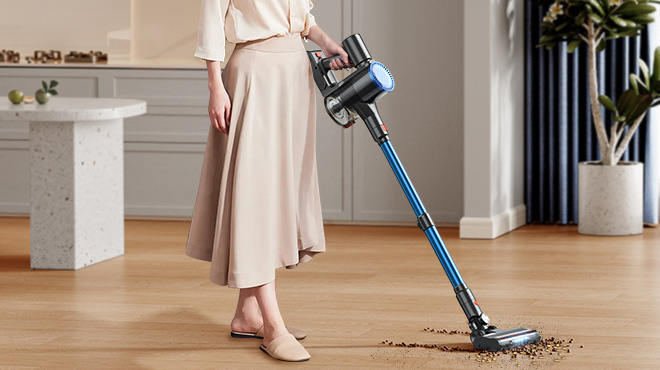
(72, 109)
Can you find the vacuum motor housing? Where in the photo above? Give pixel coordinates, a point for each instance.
(366, 85)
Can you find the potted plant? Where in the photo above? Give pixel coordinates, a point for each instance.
(610, 192)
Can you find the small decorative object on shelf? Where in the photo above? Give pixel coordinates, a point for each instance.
(43, 95)
(16, 96)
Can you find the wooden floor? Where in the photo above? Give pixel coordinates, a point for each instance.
(154, 308)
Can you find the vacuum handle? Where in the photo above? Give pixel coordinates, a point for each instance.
(325, 62)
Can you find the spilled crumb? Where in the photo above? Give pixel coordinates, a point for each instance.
(444, 331)
(432, 346)
(546, 350)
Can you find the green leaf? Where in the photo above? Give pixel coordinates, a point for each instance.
(579, 19)
(641, 86)
(642, 19)
(618, 21)
(635, 9)
(629, 33)
(601, 45)
(619, 118)
(596, 6)
(53, 83)
(546, 38)
(633, 83)
(562, 25)
(624, 100)
(608, 28)
(626, 7)
(632, 105)
(53, 92)
(43, 83)
(655, 77)
(640, 105)
(587, 7)
(607, 103)
(630, 24)
(595, 17)
(645, 71)
(573, 45)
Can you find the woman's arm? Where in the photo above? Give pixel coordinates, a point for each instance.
(329, 47)
(211, 47)
(219, 102)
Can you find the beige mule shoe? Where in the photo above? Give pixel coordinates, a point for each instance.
(297, 333)
(286, 348)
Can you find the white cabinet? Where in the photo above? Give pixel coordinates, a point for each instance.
(163, 149)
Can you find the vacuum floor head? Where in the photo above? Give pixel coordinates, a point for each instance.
(488, 337)
(494, 339)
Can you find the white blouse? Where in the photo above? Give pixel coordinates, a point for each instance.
(244, 20)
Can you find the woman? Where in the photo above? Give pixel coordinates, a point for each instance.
(258, 206)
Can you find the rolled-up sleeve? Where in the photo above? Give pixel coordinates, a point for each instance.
(211, 30)
(309, 20)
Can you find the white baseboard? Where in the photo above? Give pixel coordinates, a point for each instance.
(494, 226)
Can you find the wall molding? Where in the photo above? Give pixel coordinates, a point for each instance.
(494, 226)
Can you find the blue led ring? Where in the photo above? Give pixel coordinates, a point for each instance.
(381, 77)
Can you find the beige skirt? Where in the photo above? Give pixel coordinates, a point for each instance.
(258, 205)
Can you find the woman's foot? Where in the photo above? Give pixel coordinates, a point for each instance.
(259, 333)
(271, 333)
(246, 325)
(248, 317)
(277, 341)
(286, 348)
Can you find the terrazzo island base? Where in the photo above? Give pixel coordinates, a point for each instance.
(76, 178)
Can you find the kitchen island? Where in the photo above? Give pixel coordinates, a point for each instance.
(163, 148)
(77, 178)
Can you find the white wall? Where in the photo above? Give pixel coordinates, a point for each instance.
(654, 131)
(421, 43)
(507, 98)
(65, 25)
(139, 29)
(164, 29)
(494, 126)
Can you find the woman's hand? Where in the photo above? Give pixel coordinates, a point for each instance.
(219, 106)
(219, 102)
(331, 48)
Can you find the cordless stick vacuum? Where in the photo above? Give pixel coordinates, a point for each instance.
(356, 96)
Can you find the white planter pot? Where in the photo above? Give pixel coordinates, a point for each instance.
(610, 198)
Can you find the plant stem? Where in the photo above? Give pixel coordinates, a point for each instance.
(593, 95)
(612, 144)
(626, 139)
